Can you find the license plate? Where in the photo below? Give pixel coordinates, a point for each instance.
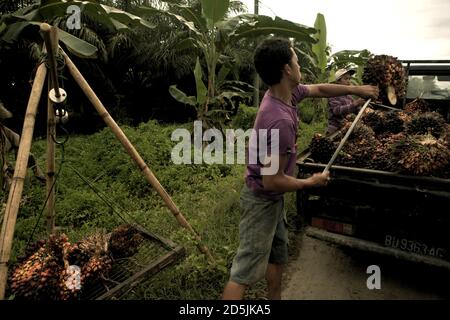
(413, 246)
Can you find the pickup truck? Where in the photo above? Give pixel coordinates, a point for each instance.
(404, 216)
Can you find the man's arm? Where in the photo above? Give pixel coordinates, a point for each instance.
(325, 90)
(281, 182)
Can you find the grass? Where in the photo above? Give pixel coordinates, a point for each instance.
(207, 195)
(306, 132)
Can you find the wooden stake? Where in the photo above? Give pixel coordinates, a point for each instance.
(51, 135)
(129, 148)
(20, 171)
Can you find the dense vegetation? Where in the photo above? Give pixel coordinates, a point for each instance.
(169, 65)
(208, 196)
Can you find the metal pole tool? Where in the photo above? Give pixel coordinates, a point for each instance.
(344, 139)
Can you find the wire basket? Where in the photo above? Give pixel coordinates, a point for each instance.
(153, 255)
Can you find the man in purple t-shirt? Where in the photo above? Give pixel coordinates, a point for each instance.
(262, 230)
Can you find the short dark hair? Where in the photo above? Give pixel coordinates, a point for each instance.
(270, 57)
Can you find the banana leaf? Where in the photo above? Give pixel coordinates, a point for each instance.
(214, 10)
(77, 46)
(180, 96)
(252, 26)
(320, 48)
(202, 91)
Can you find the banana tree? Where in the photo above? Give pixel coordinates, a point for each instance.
(349, 58)
(313, 59)
(211, 33)
(20, 41)
(13, 25)
(210, 109)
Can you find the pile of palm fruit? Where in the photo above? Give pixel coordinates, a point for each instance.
(414, 141)
(43, 273)
(385, 72)
(125, 241)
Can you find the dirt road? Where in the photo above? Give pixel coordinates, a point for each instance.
(320, 270)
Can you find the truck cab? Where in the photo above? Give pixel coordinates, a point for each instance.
(404, 216)
(429, 80)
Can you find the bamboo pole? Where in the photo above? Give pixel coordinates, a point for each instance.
(129, 148)
(20, 171)
(55, 95)
(50, 35)
(344, 139)
(51, 135)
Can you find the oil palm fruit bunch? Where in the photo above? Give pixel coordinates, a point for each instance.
(96, 243)
(31, 249)
(404, 116)
(78, 255)
(359, 131)
(39, 276)
(385, 71)
(381, 158)
(422, 155)
(350, 117)
(417, 106)
(392, 122)
(424, 123)
(357, 153)
(446, 135)
(93, 254)
(95, 269)
(359, 148)
(388, 151)
(322, 148)
(374, 120)
(125, 241)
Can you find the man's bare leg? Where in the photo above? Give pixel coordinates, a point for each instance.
(234, 291)
(274, 274)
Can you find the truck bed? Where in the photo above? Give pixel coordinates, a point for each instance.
(401, 212)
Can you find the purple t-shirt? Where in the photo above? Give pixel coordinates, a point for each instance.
(274, 114)
(338, 108)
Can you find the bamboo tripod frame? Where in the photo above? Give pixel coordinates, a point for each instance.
(15, 193)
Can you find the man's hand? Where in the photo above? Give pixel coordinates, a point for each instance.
(280, 182)
(367, 91)
(359, 102)
(319, 179)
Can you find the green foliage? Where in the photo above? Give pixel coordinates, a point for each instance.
(213, 40)
(214, 10)
(208, 196)
(320, 48)
(245, 117)
(349, 59)
(306, 132)
(48, 11)
(306, 111)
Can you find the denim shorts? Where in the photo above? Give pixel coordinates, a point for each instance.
(263, 238)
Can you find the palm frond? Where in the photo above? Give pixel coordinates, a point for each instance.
(120, 43)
